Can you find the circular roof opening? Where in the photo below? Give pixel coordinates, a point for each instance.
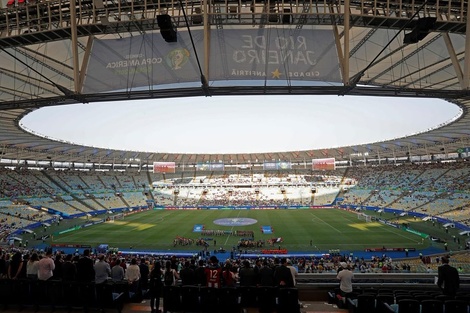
(242, 124)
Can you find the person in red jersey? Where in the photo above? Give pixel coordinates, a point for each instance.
(213, 272)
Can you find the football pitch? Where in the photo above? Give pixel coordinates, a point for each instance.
(303, 230)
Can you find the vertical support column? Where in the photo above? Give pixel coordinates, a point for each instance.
(346, 43)
(466, 66)
(86, 59)
(74, 47)
(207, 42)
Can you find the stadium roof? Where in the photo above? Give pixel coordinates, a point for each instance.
(375, 48)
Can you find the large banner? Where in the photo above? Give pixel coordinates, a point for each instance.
(164, 167)
(281, 165)
(274, 54)
(323, 164)
(210, 166)
(279, 53)
(141, 61)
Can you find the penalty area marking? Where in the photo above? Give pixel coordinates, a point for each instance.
(316, 217)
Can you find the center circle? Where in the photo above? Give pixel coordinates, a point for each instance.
(236, 221)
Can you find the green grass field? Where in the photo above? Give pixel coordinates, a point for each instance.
(327, 228)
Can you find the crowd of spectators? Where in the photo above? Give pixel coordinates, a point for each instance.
(439, 189)
(18, 263)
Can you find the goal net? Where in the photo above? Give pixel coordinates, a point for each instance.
(112, 218)
(364, 217)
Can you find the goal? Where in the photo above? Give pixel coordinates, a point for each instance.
(112, 218)
(364, 217)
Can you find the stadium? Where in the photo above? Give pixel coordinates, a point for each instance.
(401, 203)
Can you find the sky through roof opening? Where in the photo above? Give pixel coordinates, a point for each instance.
(242, 124)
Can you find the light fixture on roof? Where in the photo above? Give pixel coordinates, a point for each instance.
(421, 30)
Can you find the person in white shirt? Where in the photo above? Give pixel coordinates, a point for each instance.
(133, 275)
(46, 266)
(345, 277)
(102, 270)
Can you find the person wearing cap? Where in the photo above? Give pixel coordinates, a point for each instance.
(213, 272)
(448, 278)
(345, 277)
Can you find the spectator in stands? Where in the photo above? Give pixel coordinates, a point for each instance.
(448, 278)
(170, 275)
(85, 270)
(213, 272)
(102, 270)
(46, 266)
(123, 265)
(144, 274)
(187, 274)
(22, 274)
(3, 265)
(345, 276)
(200, 275)
(247, 275)
(228, 276)
(132, 275)
(15, 266)
(32, 266)
(266, 274)
(117, 272)
(58, 266)
(283, 275)
(257, 267)
(155, 287)
(69, 270)
(293, 270)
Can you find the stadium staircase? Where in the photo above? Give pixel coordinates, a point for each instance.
(439, 196)
(103, 183)
(69, 193)
(56, 183)
(135, 183)
(372, 193)
(120, 196)
(403, 194)
(98, 203)
(149, 195)
(149, 178)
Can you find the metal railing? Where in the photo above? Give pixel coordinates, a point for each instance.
(23, 17)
